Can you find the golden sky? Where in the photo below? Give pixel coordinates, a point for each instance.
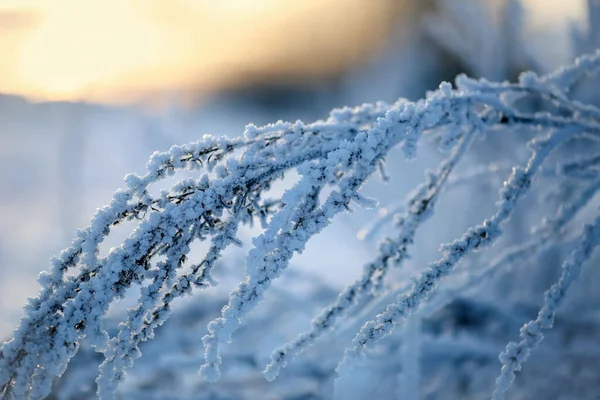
(116, 50)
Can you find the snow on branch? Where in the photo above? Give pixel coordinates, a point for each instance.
(531, 333)
(336, 156)
(474, 239)
(419, 208)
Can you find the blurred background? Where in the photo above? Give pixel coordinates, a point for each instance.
(90, 89)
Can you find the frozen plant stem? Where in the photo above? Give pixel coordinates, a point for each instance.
(419, 208)
(337, 155)
(515, 354)
(474, 239)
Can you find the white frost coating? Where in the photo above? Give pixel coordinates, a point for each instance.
(474, 239)
(290, 229)
(71, 308)
(518, 254)
(487, 233)
(531, 333)
(338, 154)
(419, 207)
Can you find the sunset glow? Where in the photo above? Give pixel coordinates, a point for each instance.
(115, 51)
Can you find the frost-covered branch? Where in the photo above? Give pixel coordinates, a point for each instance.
(419, 208)
(474, 239)
(531, 333)
(334, 159)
